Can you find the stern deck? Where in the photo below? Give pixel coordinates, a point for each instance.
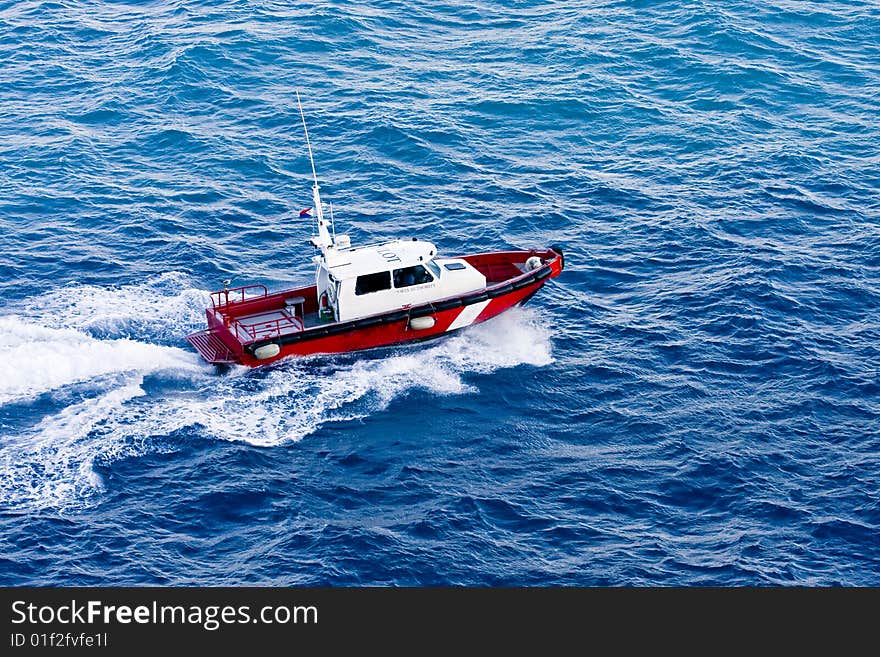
(211, 347)
(268, 324)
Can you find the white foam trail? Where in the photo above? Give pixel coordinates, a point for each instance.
(50, 344)
(52, 464)
(35, 359)
(80, 339)
(292, 401)
(78, 333)
(158, 307)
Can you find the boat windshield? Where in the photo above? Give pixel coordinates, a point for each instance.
(434, 268)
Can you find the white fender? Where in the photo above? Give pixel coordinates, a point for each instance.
(267, 351)
(422, 323)
(533, 263)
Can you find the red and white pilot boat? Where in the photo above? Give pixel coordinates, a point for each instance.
(368, 296)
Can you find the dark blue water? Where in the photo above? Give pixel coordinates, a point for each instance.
(695, 401)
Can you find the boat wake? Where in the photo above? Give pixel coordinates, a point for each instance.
(110, 379)
(35, 359)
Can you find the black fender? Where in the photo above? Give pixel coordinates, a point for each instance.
(558, 249)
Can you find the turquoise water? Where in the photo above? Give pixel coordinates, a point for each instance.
(693, 402)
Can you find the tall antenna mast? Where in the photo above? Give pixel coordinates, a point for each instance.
(323, 240)
(308, 143)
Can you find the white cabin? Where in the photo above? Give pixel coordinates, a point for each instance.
(357, 282)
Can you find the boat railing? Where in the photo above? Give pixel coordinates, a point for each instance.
(228, 296)
(263, 329)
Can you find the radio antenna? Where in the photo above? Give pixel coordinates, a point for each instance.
(323, 240)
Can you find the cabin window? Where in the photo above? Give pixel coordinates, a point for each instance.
(434, 268)
(454, 266)
(373, 283)
(412, 276)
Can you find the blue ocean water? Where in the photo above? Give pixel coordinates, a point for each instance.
(695, 401)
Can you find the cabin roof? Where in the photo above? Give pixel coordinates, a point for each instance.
(350, 263)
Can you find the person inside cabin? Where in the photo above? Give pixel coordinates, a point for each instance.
(408, 276)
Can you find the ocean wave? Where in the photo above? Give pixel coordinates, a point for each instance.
(694, 400)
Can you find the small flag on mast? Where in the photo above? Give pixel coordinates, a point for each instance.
(305, 213)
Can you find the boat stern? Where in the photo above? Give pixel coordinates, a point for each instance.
(212, 348)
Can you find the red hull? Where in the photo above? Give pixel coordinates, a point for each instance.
(507, 285)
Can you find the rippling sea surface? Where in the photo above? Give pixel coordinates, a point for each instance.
(695, 401)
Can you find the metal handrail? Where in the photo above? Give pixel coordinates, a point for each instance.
(266, 329)
(221, 298)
